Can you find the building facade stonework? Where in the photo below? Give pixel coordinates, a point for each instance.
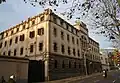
(59, 44)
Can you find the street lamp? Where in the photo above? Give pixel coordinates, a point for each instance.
(84, 57)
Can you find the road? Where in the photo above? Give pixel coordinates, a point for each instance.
(113, 77)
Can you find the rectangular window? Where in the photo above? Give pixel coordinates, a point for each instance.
(21, 51)
(32, 34)
(55, 64)
(22, 37)
(55, 19)
(31, 48)
(77, 42)
(61, 22)
(55, 47)
(15, 51)
(55, 32)
(2, 35)
(62, 49)
(1, 45)
(73, 51)
(73, 40)
(67, 27)
(42, 18)
(69, 50)
(63, 64)
(74, 64)
(41, 31)
(69, 64)
(33, 22)
(6, 34)
(9, 53)
(10, 42)
(17, 30)
(62, 35)
(23, 26)
(68, 38)
(11, 32)
(5, 43)
(3, 53)
(78, 53)
(40, 46)
(16, 39)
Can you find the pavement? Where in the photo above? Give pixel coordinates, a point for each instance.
(72, 79)
(93, 78)
(113, 77)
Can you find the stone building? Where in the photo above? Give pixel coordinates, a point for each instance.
(104, 61)
(63, 47)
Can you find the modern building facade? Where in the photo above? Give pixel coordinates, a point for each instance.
(63, 47)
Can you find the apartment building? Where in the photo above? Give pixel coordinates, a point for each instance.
(59, 44)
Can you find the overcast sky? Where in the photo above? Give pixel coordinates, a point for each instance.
(14, 11)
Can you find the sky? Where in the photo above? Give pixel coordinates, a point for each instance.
(14, 11)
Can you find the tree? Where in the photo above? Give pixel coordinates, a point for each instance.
(1, 1)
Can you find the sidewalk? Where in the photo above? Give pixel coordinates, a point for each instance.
(72, 79)
(67, 80)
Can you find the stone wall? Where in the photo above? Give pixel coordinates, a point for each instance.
(61, 72)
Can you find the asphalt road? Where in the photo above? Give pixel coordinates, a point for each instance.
(113, 77)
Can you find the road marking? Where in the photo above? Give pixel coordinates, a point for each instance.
(96, 81)
(114, 81)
